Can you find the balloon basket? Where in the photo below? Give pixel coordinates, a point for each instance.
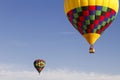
(91, 50)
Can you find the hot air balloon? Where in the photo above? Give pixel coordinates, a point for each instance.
(39, 64)
(91, 17)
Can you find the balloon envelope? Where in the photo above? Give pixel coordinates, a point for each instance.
(91, 17)
(39, 64)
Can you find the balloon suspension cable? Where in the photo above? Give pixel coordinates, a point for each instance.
(39, 74)
(91, 50)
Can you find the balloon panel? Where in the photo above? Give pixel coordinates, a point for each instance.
(91, 19)
(71, 4)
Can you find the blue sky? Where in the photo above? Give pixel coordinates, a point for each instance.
(32, 29)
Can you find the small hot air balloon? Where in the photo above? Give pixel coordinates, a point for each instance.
(39, 64)
(91, 17)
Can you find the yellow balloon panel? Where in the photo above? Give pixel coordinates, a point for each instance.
(91, 37)
(99, 2)
(91, 2)
(71, 4)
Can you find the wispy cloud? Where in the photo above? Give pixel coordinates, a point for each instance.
(19, 43)
(68, 33)
(58, 74)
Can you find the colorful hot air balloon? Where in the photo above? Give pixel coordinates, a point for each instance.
(39, 64)
(91, 17)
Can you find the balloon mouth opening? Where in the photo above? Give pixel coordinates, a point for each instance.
(91, 50)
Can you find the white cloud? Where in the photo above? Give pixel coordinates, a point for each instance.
(7, 74)
(76, 75)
